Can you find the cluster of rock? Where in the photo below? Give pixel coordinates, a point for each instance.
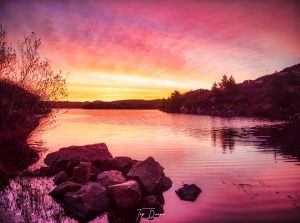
(90, 181)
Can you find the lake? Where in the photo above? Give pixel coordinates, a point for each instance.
(244, 175)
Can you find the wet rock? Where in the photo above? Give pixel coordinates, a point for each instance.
(126, 195)
(61, 177)
(120, 215)
(154, 202)
(165, 184)
(188, 192)
(89, 152)
(91, 200)
(75, 161)
(148, 173)
(81, 173)
(120, 163)
(44, 172)
(94, 173)
(62, 189)
(108, 178)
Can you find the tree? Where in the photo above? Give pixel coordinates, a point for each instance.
(173, 103)
(223, 82)
(227, 84)
(214, 88)
(27, 69)
(7, 56)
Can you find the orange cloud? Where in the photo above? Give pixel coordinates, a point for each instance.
(146, 49)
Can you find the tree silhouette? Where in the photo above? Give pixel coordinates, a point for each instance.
(214, 87)
(29, 70)
(173, 103)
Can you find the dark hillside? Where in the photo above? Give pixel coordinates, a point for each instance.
(275, 96)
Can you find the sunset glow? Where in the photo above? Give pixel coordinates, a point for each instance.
(146, 49)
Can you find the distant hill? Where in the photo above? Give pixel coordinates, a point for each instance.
(275, 96)
(120, 104)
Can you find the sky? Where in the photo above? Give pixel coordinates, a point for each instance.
(111, 50)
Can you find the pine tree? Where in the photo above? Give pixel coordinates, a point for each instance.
(214, 87)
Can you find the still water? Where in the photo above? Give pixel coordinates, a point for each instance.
(244, 176)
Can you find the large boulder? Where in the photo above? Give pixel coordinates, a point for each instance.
(120, 163)
(189, 192)
(68, 186)
(82, 172)
(149, 173)
(89, 152)
(108, 178)
(126, 195)
(91, 200)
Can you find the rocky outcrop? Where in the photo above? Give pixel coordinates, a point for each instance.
(126, 195)
(90, 183)
(188, 192)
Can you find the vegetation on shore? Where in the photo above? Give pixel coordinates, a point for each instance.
(275, 96)
(27, 83)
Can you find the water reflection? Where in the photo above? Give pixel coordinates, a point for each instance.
(231, 159)
(225, 138)
(277, 139)
(14, 157)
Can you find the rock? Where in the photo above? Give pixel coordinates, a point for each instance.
(126, 195)
(62, 189)
(91, 200)
(188, 192)
(152, 207)
(152, 201)
(120, 163)
(81, 173)
(94, 173)
(148, 172)
(165, 184)
(61, 177)
(89, 152)
(108, 178)
(73, 163)
(45, 171)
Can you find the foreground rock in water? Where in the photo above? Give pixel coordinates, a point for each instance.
(89, 152)
(61, 177)
(149, 174)
(91, 182)
(126, 195)
(188, 192)
(108, 178)
(120, 163)
(89, 201)
(60, 191)
(82, 172)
